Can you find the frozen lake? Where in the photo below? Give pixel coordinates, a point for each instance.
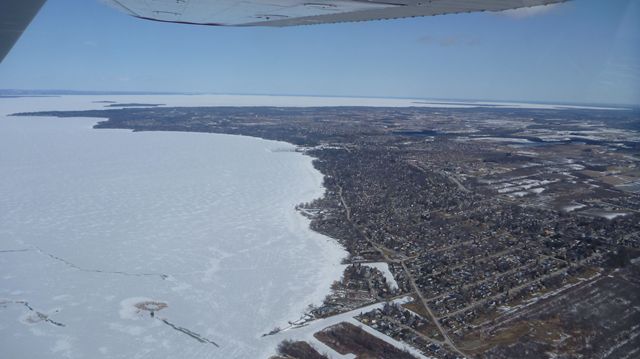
(99, 227)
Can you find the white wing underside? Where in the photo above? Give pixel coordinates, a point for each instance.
(305, 12)
(15, 15)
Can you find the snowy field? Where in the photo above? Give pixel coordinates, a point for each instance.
(100, 228)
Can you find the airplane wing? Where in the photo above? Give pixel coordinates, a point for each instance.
(304, 12)
(15, 16)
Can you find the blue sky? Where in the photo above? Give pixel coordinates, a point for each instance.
(584, 51)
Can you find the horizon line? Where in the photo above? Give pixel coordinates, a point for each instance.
(60, 92)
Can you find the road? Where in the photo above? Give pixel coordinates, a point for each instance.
(383, 251)
(521, 286)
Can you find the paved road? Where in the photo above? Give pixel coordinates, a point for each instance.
(384, 252)
(432, 317)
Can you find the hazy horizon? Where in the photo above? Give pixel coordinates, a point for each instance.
(71, 92)
(581, 51)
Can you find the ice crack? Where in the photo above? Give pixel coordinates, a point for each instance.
(41, 316)
(14, 250)
(74, 266)
(188, 332)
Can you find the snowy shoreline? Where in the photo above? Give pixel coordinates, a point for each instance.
(194, 272)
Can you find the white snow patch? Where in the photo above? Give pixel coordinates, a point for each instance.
(501, 139)
(613, 215)
(537, 190)
(573, 207)
(384, 268)
(576, 167)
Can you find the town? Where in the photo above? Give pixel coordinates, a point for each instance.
(499, 223)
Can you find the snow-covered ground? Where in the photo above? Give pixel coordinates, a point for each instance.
(306, 332)
(612, 215)
(384, 268)
(573, 207)
(101, 228)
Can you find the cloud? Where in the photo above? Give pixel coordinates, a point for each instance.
(450, 40)
(530, 11)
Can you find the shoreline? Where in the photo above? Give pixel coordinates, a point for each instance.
(402, 188)
(332, 252)
(331, 248)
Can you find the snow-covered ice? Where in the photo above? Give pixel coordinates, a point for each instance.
(100, 229)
